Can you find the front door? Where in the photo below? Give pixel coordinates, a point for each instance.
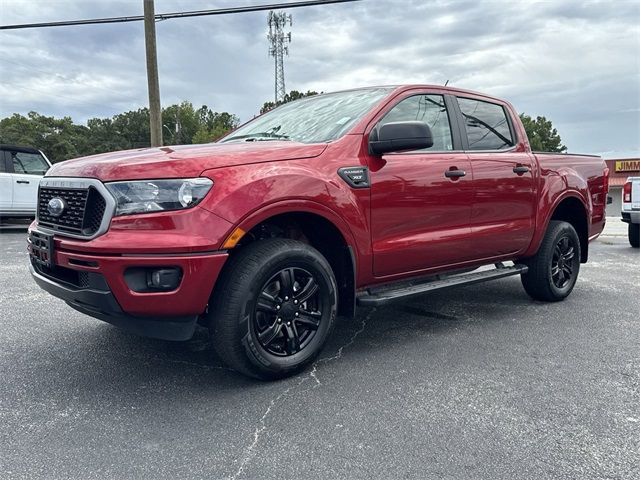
(420, 207)
(28, 169)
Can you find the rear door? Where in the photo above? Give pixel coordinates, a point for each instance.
(504, 197)
(6, 184)
(419, 212)
(28, 169)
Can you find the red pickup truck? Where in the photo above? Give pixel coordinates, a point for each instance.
(360, 197)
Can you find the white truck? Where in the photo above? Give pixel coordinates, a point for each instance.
(21, 169)
(631, 209)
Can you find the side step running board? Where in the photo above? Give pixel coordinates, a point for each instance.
(377, 296)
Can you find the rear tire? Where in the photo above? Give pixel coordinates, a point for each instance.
(554, 269)
(634, 235)
(273, 308)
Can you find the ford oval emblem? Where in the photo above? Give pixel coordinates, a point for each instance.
(56, 206)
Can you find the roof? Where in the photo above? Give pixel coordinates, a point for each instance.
(19, 148)
(426, 86)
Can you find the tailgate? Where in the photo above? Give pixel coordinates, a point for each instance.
(635, 194)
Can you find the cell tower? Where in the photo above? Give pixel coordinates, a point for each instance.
(278, 48)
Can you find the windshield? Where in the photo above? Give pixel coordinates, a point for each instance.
(316, 119)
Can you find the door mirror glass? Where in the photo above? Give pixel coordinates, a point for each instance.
(399, 136)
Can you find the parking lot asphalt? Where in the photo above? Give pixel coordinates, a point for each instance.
(477, 382)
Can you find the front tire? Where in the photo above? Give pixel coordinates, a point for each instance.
(554, 269)
(634, 235)
(273, 308)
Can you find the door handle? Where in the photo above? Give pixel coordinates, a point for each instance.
(26, 182)
(520, 169)
(455, 173)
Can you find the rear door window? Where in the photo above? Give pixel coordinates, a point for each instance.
(29, 163)
(430, 109)
(486, 125)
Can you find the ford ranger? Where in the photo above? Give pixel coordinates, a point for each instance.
(360, 197)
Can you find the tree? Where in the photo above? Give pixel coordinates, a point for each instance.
(180, 123)
(59, 138)
(288, 97)
(542, 136)
(62, 139)
(213, 125)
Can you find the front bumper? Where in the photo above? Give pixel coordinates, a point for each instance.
(631, 216)
(101, 304)
(95, 284)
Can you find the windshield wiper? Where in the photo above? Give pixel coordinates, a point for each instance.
(258, 137)
(261, 136)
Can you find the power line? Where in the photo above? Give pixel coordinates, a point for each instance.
(167, 16)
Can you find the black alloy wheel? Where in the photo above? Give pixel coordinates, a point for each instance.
(553, 270)
(288, 312)
(273, 308)
(563, 262)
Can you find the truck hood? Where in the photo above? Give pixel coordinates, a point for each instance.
(181, 161)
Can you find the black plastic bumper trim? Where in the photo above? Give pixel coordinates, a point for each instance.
(103, 306)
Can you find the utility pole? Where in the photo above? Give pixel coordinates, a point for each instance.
(278, 48)
(155, 113)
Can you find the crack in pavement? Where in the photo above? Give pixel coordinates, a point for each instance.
(338, 354)
(263, 426)
(249, 454)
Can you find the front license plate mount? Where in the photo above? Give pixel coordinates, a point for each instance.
(41, 248)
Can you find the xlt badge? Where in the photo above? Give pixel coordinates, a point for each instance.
(356, 177)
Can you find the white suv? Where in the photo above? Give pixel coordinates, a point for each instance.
(21, 169)
(631, 209)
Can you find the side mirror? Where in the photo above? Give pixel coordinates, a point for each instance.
(397, 136)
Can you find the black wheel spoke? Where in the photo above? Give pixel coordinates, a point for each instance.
(557, 252)
(308, 290)
(568, 255)
(310, 319)
(293, 340)
(270, 334)
(266, 303)
(286, 282)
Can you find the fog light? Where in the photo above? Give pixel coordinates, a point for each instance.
(164, 278)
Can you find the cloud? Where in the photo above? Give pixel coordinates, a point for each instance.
(575, 62)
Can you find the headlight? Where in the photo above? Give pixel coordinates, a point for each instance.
(157, 195)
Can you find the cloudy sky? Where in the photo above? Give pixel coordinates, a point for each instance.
(577, 63)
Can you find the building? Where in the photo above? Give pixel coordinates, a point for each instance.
(619, 170)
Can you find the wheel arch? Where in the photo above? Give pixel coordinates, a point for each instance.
(571, 209)
(319, 227)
